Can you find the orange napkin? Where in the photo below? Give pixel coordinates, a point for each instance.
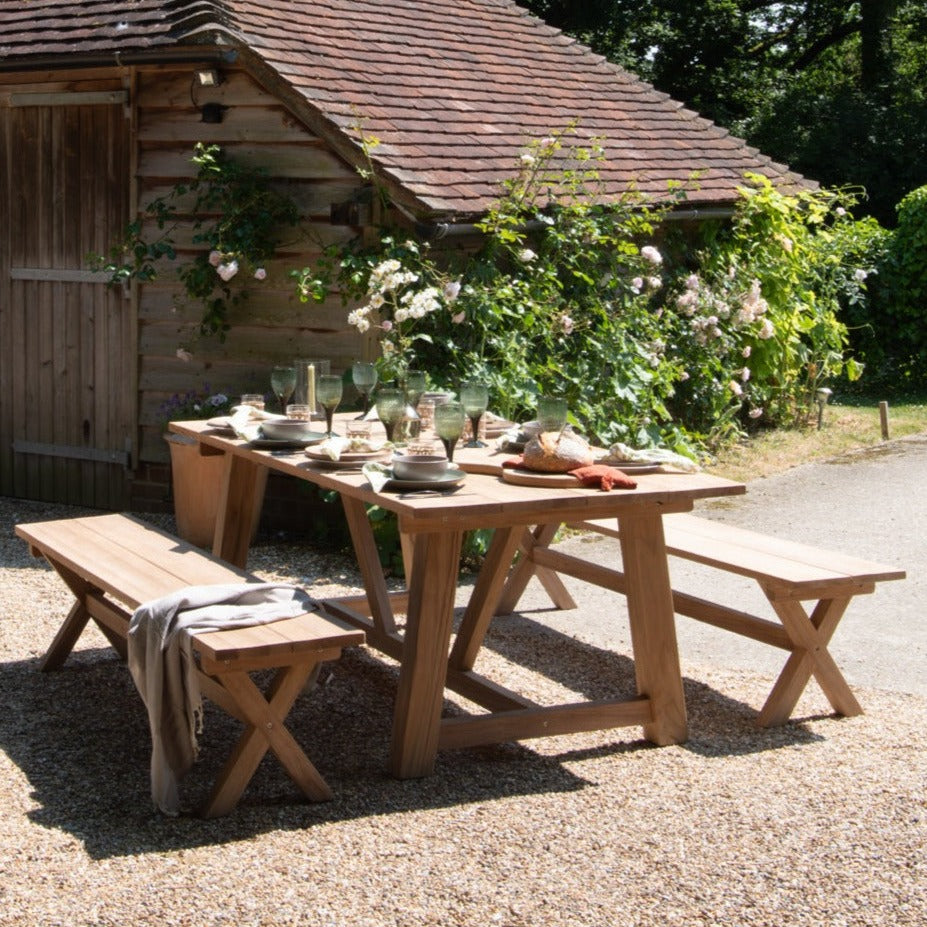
(604, 477)
(514, 463)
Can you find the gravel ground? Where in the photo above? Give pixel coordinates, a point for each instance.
(822, 821)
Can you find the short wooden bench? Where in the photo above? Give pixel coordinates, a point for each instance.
(113, 563)
(788, 573)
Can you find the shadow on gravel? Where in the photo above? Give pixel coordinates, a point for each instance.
(80, 736)
(718, 725)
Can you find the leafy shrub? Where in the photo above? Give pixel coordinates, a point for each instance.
(899, 342)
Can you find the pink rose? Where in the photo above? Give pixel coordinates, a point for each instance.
(260, 274)
(215, 258)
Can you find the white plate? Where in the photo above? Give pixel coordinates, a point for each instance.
(348, 460)
(453, 477)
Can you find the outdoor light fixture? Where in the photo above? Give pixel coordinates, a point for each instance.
(208, 77)
(821, 397)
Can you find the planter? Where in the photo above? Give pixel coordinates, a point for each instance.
(197, 484)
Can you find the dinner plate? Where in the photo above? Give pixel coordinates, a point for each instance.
(635, 466)
(278, 443)
(220, 424)
(348, 460)
(453, 477)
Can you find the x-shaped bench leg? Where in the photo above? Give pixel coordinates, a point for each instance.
(265, 730)
(810, 636)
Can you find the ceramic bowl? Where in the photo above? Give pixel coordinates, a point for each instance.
(287, 430)
(419, 466)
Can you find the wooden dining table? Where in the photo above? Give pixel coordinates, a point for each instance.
(433, 526)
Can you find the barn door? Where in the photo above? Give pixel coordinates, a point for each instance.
(67, 358)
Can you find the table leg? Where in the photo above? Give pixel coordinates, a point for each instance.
(653, 626)
(417, 714)
(237, 507)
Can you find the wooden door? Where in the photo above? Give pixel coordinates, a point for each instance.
(67, 355)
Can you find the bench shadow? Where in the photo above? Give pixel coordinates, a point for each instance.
(94, 784)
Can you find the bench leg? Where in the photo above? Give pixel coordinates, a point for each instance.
(810, 636)
(266, 730)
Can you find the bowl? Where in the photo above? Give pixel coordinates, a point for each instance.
(287, 430)
(419, 466)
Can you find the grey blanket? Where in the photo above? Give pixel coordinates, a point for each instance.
(162, 664)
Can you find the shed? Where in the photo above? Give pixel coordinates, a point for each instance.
(101, 106)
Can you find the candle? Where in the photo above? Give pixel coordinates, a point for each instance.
(310, 387)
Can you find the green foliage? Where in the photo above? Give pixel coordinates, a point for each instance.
(836, 90)
(897, 335)
(761, 319)
(245, 225)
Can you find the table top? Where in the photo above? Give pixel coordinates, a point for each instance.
(483, 499)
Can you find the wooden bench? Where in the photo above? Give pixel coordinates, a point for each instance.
(113, 563)
(788, 573)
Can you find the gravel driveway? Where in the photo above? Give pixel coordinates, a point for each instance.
(819, 822)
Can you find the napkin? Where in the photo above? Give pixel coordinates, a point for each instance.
(334, 446)
(668, 459)
(604, 477)
(245, 421)
(377, 475)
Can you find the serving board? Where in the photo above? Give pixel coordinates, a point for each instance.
(532, 478)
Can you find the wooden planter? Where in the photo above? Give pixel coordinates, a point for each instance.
(197, 484)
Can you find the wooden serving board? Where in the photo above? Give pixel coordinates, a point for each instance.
(532, 478)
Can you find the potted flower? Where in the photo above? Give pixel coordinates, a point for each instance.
(196, 475)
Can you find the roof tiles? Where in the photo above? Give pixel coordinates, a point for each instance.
(454, 89)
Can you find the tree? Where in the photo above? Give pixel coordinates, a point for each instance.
(838, 90)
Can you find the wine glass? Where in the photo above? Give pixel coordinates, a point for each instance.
(450, 419)
(474, 397)
(391, 406)
(329, 396)
(283, 382)
(552, 413)
(364, 376)
(415, 386)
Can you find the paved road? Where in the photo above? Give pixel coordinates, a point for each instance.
(871, 503)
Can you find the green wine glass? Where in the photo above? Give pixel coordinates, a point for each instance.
(364, 376)
(450, 419)
(552, 413)
(283, 382)
(391, 406)
(415, 386)
(328, 394)
(474, 397)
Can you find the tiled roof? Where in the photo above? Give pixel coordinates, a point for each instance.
(454, 89)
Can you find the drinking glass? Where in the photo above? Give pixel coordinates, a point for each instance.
(474, 397)
(253, 399)
(329, 396)
(450, 419)
(283, 382)
(552, 413)
(364, 376)
(415, 386)
(391, 406)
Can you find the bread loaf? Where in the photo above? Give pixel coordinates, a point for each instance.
(557, 452)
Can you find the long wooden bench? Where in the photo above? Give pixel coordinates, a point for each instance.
(113, 563)
(788, 573)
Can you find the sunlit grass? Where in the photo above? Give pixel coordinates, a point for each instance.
(845, 427)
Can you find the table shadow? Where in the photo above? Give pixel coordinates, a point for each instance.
(80, 738)
(719, 724)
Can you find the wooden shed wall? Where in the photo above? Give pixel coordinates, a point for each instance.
(271, 326)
